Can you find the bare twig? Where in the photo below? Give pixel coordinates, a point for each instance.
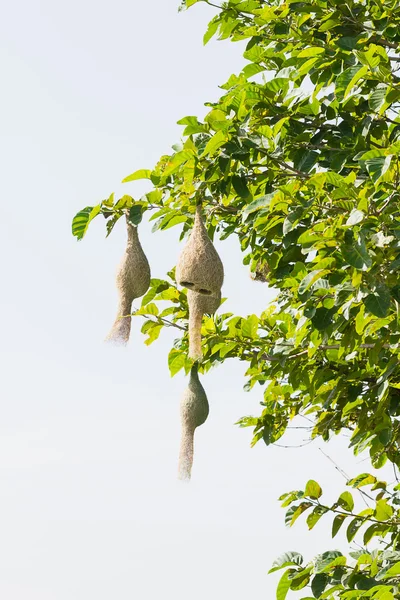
(344, 474)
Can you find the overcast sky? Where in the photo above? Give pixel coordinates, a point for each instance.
(89, 435)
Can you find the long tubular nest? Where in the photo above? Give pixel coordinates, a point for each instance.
(133, 280)
(194, 412)
(199, 305)
(121, 329)
(186, 453)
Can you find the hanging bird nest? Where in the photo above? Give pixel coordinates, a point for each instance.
(199, 305)
(199, 266)
(194, 411)
(133, 280)
(261, 272)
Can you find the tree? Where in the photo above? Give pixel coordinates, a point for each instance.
(299, 160)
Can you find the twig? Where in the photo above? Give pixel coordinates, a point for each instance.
(344, 474)
(162, 320)
(295, 446)
(395, 474)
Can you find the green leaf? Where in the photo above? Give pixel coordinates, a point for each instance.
(135, 214)
(344, 82)
(346, 500)
(378, 303)
(353, 527)
(377, 98)
(313, 51)
(153, 334)
(327, 560)
(227, 348)
(218, 140)
(240, 186)
(322, 318)
(294, 513)
(337, 523)
(363, 479)
(357, 256)
(292, 219)
(258, 204)
(377, 167)
(356, 216)
(176, 361)
(211, 30)
(283, 586)
(346, 42)
(383, 510)
(175, 220)
(394, 571)
(285, 560)
(148, 309)
(140, 174)
(150, 295)
(310, 279)
(304, 161)
(111, 223)
(193, 125)
(374, 530)
(318, 584)
(252, 69)
(277, 85)
(356, 77)
(313, 490)
(315, 516)
(250, 326)
(82, 219)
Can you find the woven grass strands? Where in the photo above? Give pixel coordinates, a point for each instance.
(200, 270)
(199, 305)
(133, 280)
(194, 410)
(199, 267)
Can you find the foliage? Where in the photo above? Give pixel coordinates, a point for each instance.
(372, 573)
(299, 160)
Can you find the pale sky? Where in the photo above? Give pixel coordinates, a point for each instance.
(89, 435)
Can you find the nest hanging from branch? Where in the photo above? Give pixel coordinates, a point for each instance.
(261, 272)
(194, 411)
(199, 266)
(133, 280)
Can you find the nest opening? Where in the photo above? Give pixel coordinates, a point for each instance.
(205, 292)
(187, 284)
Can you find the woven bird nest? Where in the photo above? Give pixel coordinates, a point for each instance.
(133, 280)
(199, 304)
(261, 272)
(199, 266)
(194, 411)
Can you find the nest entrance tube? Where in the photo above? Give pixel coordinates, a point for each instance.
(194, 411)
(133, 280)
(199, 305)
(199, 266)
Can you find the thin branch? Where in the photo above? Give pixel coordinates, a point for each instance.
(296, 171)
(160, 320)
(212, 4)
(395, 474)
(296, 445)
(351, 514)
(277, 357)
(344, 474)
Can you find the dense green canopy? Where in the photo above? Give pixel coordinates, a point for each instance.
(299, 160)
